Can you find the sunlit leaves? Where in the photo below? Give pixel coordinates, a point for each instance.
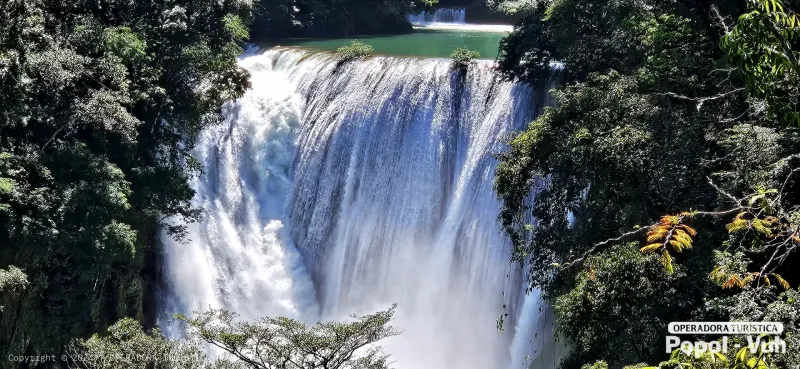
(666, 259)
(670, 233)
(651, 248)
(12, 281)
(124, 43)
(234, 26)
(745, 358)
(126, 340)
(694, 359)
(761, 45)
(762, 226)
(731, 272)
(463, 57)
(287, 343)
(107, 111)
(355, 50)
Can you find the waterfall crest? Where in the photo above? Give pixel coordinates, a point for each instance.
(444, 15)
(373, 179)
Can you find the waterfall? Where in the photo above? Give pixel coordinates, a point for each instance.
(444, 15)
(452, 19)
(240, 255)
(333, 189)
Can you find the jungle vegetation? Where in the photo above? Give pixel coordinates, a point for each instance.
(664, 184)
(100, 102)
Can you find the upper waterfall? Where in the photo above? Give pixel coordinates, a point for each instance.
(452, 19)
(373, 179)
(444, 15)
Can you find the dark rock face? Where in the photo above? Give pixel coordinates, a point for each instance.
(326, 19)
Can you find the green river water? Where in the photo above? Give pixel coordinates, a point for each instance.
(423, 42)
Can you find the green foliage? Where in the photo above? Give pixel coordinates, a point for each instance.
(763, 45)
(604, 149)
(590, 36)
(699, 360)
(355, 50)
(664, 107)
(127, 346)
(100, 106)
(748, 305)
(12, 282)
(463, 57)
(744, 358)
(598, 365)
(288, 343)
(620, 306)
(264, 343)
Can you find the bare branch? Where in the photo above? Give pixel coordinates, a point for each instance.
(700, 100)
(596, 246)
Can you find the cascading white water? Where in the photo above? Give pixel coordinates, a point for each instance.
(453, 19)
(240, 256)
(444, 15)
(373, 179)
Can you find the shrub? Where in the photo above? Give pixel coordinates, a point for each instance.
(464, 57)
(355, 50)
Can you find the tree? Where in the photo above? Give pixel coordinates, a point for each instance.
(763, 46)
(287, 343)
(128, 346)
(620, 306)
(267, 343)
(12, 282)
(462, 58)
(668, 132)
(99, 106)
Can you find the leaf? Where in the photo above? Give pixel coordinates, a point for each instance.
(688, 229)
(6, 186)
(747, 279)
(667, 260)
(650, 248)
(756, 363)
(683, 238)
(669, 220)
(761, 227)
(720, 357)
(781, 281)
(656, 234)
(676, 245)
(738, 224)
(717, 275)
(733, 281)
(741, 356)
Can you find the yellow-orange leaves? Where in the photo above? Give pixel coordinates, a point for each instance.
(732, 280)
(670, 232)
(761, 226)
